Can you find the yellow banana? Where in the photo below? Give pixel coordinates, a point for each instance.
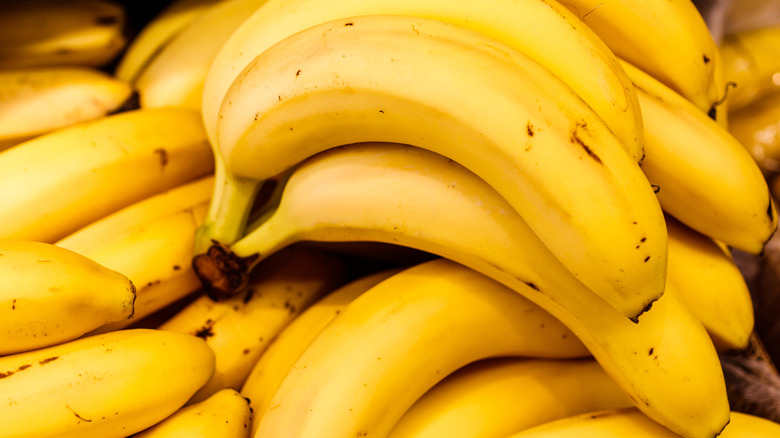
(396, 340)
(38, 100)
(223, 415)
(711, 285)
(705, 178)
(622, 423)
(150, 242)
(757, 128)
(158, 32)
(496, 397)
(54, 33)
(50, 295)
(104, 386)
(751, 60)
(276, 361)
(511, 122)
(60, 182)
(668, 39)
(408, 196)
(239, 329)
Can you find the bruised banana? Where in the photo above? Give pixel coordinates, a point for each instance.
(512, 122)
(103, 386)
(496, 397)
(412, 197)
(705, 177)
(223, 415)
(751, 61)
(38, 100)
(150, 242)
(668, 39)
(50, 295)
(397, 340)
(240, 329)
(45, 33)
(60, 182)
(276, 361)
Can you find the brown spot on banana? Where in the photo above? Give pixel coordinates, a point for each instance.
(163, 154)
(576, 139)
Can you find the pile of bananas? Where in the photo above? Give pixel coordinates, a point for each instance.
(365, 218)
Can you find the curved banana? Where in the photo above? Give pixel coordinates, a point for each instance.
(149, 241)
(496, 397)
(396, 340)
(60, 182)
(621, 423)
(511, 122)
(751, 60)
(36, 101)
(668, 39)
(711, 285)
(575, 54)
(50, 295)
(48, 33)
(409, 196)
(757, 128)
(276, 361)
(224, 415)
(705, 177)
(158, 32)
(240, 329)
(103, 386)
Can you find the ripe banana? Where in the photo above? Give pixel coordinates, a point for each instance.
(408, 196)
(60, 182)
(151, 243)
(105, 386)
(175, 76)
(497, 397)
(396, 340)
(46, 33)
(158, 32)
(757, 128)
(621, 423)
(751, 60)
(276, 361)
(710, 285)
(576, 54)
(240, 329)
(36, 101)
(512, 122)
(223, 415)
(706, 179)
(668, 39)
(50, 295)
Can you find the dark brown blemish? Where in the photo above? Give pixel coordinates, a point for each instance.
(5, 374)
(529, 129)
(532, 285)
(575, 138)
(349, 24)
(650, 353)
(13, 304)
(163, 154)
(176, 267)
(77, 415)
(706, 59)
(647, 258)
(297, 73)
(207, 330)
(47, 360)
(250, 292)
(656, 188)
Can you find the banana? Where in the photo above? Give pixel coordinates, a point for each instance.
(751, 60)
(276, 361)
(711, 285)
(39, 100)
(240, 329)
(706, 178)
(496, 397)
(668, 39)
(630, 422)
(150, 242)
(411, 197)
(511, 122)
(60, 182)
(155, 34)
(50, 295)
(225, 415)
(396, 340)
(45, 33)
(106, 386)
(175, 76)
(757, 128)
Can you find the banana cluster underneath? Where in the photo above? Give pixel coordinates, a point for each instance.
(379, 218)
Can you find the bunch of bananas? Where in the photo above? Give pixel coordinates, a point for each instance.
(363, 218)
